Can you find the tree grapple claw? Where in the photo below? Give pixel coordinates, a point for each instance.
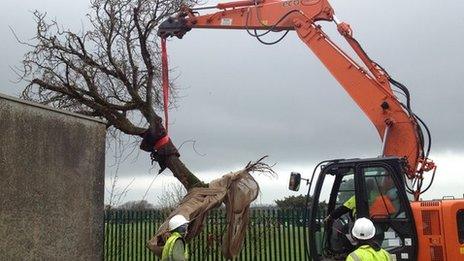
(173, 27)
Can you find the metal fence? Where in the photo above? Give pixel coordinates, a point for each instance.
(272, 234)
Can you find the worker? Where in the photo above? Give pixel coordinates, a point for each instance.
(339, 231)
(380, 202)
(348, 207)
(175, 248)
(367, 248)
(391, 191)
(380, 205)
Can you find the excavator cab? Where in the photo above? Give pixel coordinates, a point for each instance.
(377, 187)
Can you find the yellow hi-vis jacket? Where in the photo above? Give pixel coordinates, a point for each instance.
(367, 253)
(351, 205)
(168, 253)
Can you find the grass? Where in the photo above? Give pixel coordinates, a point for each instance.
(270, 236)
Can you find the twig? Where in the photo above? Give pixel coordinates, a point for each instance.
(194, 142)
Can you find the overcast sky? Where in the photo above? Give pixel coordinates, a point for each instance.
(242, 100)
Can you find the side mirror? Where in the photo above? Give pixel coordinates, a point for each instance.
(295, 181)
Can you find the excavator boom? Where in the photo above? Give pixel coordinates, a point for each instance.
(369, 86)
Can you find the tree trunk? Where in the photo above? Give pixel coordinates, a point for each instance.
(167, 155)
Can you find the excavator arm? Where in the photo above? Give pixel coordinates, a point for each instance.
(370, 88)
(247, 15)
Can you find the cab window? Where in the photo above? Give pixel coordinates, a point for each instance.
(346, 191)
(460, 217)
(383, 204)
(381, 193)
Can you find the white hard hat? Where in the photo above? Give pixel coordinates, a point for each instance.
(363, 229)
(177, 221)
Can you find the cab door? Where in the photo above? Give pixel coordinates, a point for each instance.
(379, 190)
(335, 185)
(383, 199)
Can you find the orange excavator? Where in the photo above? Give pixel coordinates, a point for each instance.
(410, 229)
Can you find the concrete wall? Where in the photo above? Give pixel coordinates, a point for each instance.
(51, 183)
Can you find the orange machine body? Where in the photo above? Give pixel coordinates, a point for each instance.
(440, 229)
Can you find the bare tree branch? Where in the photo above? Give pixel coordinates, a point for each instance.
(111, 70)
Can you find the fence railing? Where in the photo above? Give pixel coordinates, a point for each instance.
(273, 234)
